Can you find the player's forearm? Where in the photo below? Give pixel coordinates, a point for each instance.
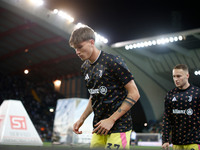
(166, 128)
(126, 106)
(87, 111)
(129, 101)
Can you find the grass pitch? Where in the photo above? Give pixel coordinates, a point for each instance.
(49, 146)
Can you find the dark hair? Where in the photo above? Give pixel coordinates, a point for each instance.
(182, 66)
(80, 35)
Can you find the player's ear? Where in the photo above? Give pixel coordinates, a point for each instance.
(188, 75)
(92, 41)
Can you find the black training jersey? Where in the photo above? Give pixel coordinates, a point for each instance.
(105, 81)
(182, 116)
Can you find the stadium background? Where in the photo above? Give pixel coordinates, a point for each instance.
(35, 38)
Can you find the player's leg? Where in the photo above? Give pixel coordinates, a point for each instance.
(118, 141)
(98, 141)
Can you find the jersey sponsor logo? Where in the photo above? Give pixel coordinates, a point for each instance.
(174, 99)
(103, 90)
(177, 111)
(188, 111)
(93, 91)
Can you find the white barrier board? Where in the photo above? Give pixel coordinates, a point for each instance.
(68, 111)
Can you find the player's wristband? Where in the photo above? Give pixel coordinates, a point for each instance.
(132, 100)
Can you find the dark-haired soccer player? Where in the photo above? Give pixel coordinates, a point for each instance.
(112, 92)
(182, 113)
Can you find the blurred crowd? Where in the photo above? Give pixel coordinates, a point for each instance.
(37, 98)
(154, 126)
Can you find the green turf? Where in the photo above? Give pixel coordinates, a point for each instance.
(147, 148)
(49, 146)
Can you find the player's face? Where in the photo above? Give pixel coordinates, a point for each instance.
(84, 49)
(180, 78)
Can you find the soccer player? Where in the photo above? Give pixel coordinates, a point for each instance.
(182, 113)
(112, 92)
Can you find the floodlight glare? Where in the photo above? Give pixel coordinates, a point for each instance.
(171, 39)
(141, 44)
(127, 47)
(37, 2)
(79, 25)
(57, 82)
(197, 72)
(154, 42)
(55, 11)
(158, 41)
(180, 38)
(134, 46)
(63, 15)
(51, 109)
(26, 71)
(101, 38)
(175, 38)
(149, 43)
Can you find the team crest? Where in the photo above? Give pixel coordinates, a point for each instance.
(100, 73)
(189, 98)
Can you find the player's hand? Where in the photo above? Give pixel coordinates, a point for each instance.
(76, 127)
(103, 126)
(165, 146)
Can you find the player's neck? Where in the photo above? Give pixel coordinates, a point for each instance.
(185, 86)
(95, 56)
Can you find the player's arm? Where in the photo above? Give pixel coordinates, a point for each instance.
(166, 146)
(166, 127)
(81, 120)
(130, 100)
(105, 125)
